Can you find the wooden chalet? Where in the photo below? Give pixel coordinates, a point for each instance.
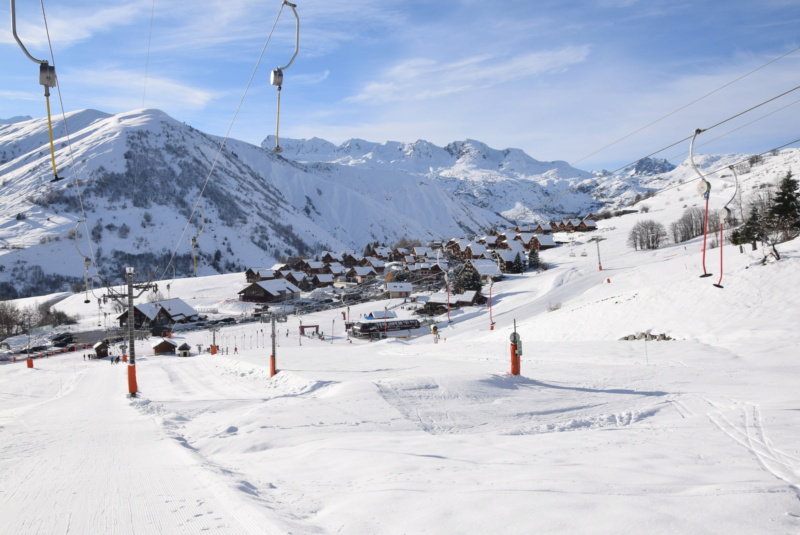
(543, 228)
(269, 291)
(259, 274)
(474, 250)
(159, 313)
(164, 346)
(322, 280)
(543, 241)
(100, 350)
(360, 273)
(329, 257)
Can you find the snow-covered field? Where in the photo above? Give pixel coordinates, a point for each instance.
(699, 434)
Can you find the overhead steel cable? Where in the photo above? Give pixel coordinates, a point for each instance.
(687, 138)
(71, 154)
(222, 145)
(645, 127)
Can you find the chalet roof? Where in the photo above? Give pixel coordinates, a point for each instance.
(546, 239)
(380, 314)
(516, 246)
(525, 237)
(315, 265)
(545, 226)
(506, 255)
(362, 271)
(184, 347)
(441, 297)
(422, 251)
(490, 240)
(175, 308)
(275, 286)
(169, 341)
(398, 286)
(323, 277)
(486, 268)
(296, 275)
(374, 261)
(477, 249)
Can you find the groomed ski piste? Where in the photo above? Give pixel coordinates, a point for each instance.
(698, 434)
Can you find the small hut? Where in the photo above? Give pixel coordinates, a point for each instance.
(164, 347)
(100, 350)
(184, 350)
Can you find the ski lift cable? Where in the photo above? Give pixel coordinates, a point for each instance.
(222, 144)
(721, 169)
(687, 138)
(685, 106)
(729, 132)
(76, 180)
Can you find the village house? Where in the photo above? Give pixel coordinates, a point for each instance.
(399, 289)
(164, 347)
(542, 242)
(272, 291)
(259, 274)
(322, 280)
(487, 269)
(360, 274)
(159, 314)
(543, 228)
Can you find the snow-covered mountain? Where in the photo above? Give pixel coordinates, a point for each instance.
(138, 186)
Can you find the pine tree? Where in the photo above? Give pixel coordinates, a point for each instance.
(517, 266)
(533, 258)
(783, 215)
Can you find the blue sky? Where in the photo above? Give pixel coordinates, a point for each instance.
(558, 79)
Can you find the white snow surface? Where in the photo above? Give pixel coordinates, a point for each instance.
(699, 434)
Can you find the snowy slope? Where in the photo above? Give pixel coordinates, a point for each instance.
(698, 434)
(140, 174)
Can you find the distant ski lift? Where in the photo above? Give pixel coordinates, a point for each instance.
(572, 253)
(584, 253)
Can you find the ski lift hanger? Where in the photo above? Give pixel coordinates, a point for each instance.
(47, 78)
(704, 189)
(276, 77)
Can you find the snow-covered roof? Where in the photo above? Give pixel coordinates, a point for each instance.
(164, 340)
(486, 268)
(276, 286)
(398, 286)
(546, 239)
(380, 314)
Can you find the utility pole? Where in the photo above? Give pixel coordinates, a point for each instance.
(129, 297)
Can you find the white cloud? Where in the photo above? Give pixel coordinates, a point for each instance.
(418, 79)
(122, 90)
